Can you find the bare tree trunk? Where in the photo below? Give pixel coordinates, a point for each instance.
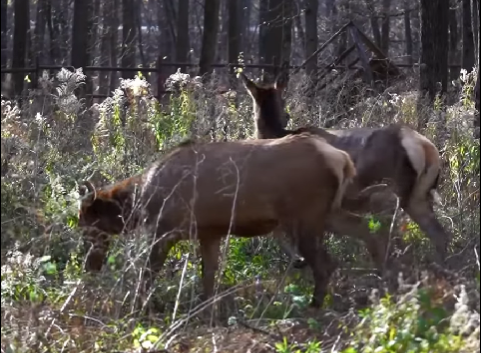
(272, 34)
(138, 21)
(106, 29)
(376, 32)
(287, 13)
(467, 38)
(19, 52)
(263, 25)
(475, 27)
(453, 42)
(166, 20)
(80, 30)
(434, 51)
(386, 20)
(39, 32)
(128, 37)
(54, 51)
(182, 43)
(312, 7)
(82, 35)
(407, 33)
(209, 37)
(300, 30)
(233, 30)
(113, 42)
(170, 17)
(4, 36)
(343, 13)
(95, 32)
(477, 107)
(246, 6)
(64, 29)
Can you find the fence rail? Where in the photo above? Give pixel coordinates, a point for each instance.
(180, 65)
(158, 69)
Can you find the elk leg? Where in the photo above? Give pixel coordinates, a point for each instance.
(322, 266)
(311, 247)
(423, 214)
(342, 222)
(158, 255)
(210, 250)
(288, 248)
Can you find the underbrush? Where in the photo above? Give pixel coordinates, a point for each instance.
(53, 142)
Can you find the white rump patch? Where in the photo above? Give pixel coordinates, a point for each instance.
(414, 149)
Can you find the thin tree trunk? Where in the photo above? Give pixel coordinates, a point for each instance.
(182, 43)
(233, 31)
(287, 13)
(477, 107)
(386, 20)
(312, 7)
(138, 21)
(453, 42)
(39, 32)
(104, 78)
(82, 35)
(407, 33)
(475, 27)
(263, 29)
(376, 32)
(113, 42)
(54, 51)
(128, 37)
(4, 36)
(94, 44)
(242, 21)
(467, 38)
(64, 28)
(274, 35)
(80, 27)
(434, 51)
(300, 31)
(209, 37)
(19, 52)
(247, 47)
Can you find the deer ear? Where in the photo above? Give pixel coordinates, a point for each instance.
(249, 85)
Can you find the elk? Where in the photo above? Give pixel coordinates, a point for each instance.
(406, 159)
(210, 190)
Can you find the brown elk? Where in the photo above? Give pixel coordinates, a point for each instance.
(397, 154)
(246, 188)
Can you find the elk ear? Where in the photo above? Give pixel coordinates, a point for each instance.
(249, 85)
(87, 192)
(281, 81)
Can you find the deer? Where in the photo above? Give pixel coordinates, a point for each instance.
(408, 161)
(205, 191)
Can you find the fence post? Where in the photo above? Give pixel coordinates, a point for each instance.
(160, 80)
(36, 73)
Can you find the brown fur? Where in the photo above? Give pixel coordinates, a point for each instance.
(207, 191)
(397, 154)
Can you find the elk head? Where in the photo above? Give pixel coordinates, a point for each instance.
(268, 100)
(100, 216)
